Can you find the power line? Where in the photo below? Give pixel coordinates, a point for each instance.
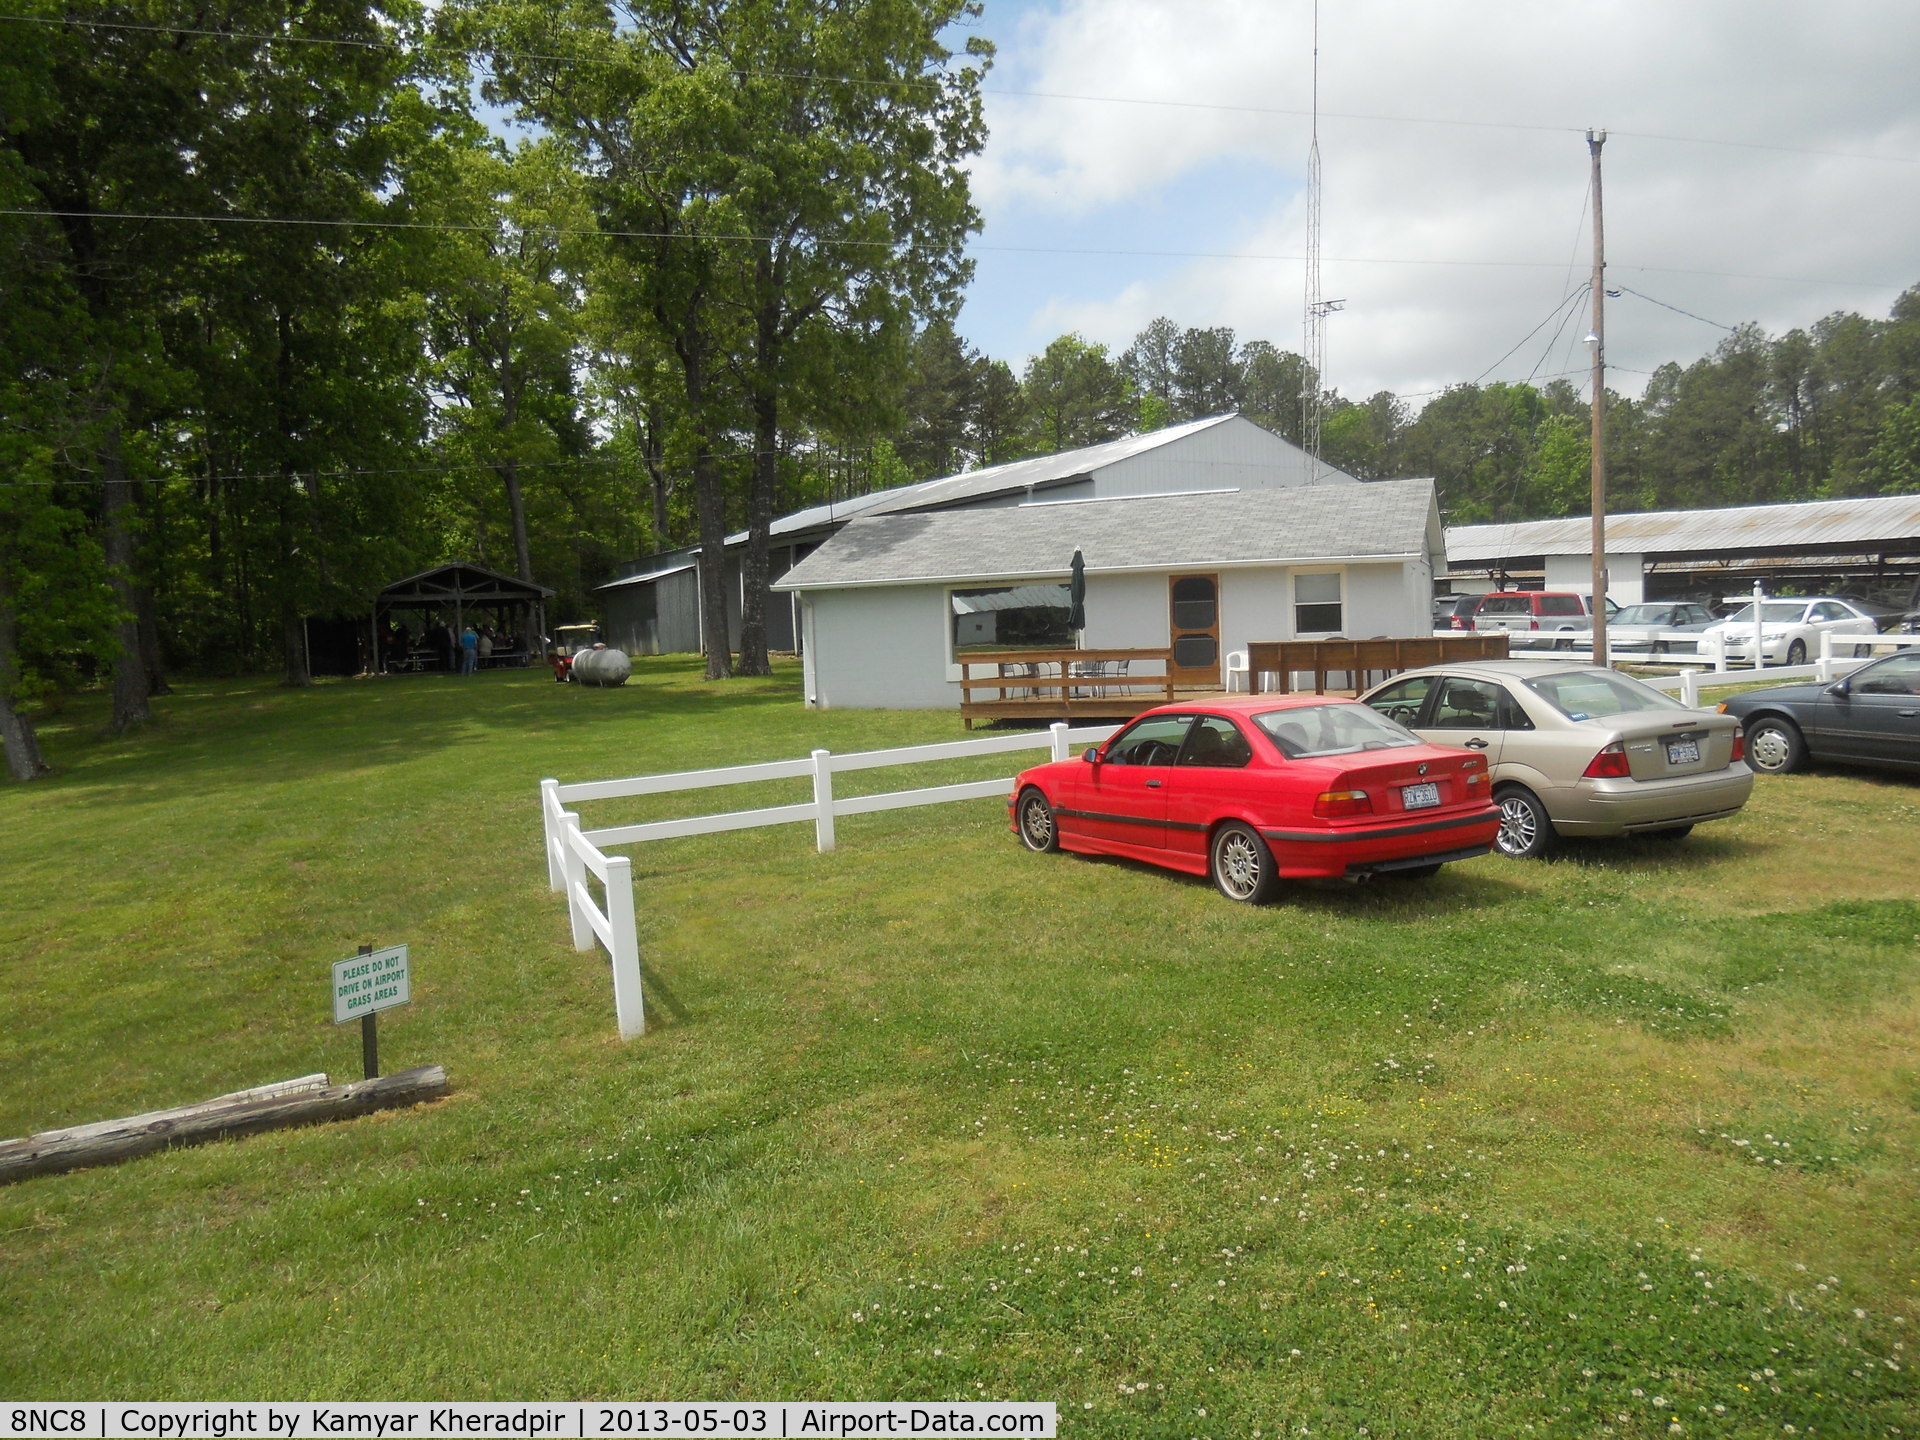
(1677, 310)
(930, 83)
(1564, 300)
(451, 227)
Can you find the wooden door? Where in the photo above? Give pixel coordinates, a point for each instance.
(1194, 605)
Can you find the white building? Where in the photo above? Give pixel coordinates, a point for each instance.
(654, 607)
(891, 602)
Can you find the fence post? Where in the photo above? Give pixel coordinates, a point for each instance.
(574, 871)
(1058, 730)
(1718, 645)
(550, 807)
(823, 800)
(1690, 689)
(1824, 670)
(629, 1007)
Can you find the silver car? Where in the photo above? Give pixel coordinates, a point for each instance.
(1576, 749)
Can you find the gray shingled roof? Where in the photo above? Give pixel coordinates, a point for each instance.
(1039, 472)
(1158, 532)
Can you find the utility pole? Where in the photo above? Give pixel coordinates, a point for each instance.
(1598, 339)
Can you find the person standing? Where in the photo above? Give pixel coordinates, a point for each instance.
(486, 643)
(469, 651)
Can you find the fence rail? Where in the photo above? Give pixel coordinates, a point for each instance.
(574, 854)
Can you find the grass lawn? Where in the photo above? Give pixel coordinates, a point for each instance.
(1627, 1142)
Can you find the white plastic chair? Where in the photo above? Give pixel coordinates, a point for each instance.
(1237, 665)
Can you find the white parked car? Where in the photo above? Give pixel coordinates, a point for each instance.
(1790, 630)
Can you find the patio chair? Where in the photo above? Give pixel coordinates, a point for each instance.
(1019, 670)
(1237, 665)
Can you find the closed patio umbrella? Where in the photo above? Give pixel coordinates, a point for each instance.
(1077, 594)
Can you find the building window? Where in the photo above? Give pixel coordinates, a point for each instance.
(1012, 617)
(1316, 604)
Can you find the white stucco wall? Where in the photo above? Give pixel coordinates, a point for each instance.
(890, 647)
(884, 648)
(1626, 576)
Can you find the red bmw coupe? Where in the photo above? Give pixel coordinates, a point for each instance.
(1254, 790)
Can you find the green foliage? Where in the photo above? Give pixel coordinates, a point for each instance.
(1075, 395)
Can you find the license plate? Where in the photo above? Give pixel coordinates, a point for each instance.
(1683, 752)
(1419, 797)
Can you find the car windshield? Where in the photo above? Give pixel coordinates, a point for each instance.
(1309, 730)
(1592, 694)
(1770, 610)
(1641, 615)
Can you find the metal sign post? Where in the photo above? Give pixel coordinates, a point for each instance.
(372, 981)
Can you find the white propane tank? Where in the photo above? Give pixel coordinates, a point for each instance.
(602, 667)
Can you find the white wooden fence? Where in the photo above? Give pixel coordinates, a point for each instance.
(573, 853)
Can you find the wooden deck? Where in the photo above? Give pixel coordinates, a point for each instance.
(1085, 685)
(1093, 685)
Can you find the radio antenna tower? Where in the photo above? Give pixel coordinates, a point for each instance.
(1313, 327)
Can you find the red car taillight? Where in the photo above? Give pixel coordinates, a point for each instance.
(1533, 624)
(1458, 623)
(1342, 802)
(1477, 777)
(1739, 746)
(1609, 764)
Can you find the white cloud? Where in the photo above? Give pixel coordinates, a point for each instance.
(1835, 78)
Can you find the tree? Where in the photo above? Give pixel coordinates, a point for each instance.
(998, 433)
(1206, 374)
(503, 319)
(1076, 396)
(1150, 362)
(945, 381)
(791, 167)
(1273, 383)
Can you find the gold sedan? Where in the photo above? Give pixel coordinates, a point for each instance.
(1576, 750)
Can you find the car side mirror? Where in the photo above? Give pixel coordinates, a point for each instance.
(1091, 755)
(1840, 687)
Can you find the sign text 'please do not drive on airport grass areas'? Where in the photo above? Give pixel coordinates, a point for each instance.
(367, 984)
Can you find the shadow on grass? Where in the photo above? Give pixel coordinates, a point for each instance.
(1698, 852)
(1376, 896)
(380, 721)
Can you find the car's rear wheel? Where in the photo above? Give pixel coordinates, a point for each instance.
(1797, 653)
(1038, 830)
(1525, 831)
(1241, 864)
(1774, 745)
(1563, 643)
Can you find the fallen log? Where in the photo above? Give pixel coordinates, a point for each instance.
(245, 1112)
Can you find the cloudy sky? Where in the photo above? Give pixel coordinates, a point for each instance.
(1763, 164)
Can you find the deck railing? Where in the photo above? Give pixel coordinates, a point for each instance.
(1355, 658)
(1036, 684)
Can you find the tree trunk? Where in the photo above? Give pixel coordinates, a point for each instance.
(129, 666)
(710, 507)
(517, 508)
(708, 501)
(16, 731)
(653, 452)
(293, 629)
(150, 643)
(754, 659)
(510, 470)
